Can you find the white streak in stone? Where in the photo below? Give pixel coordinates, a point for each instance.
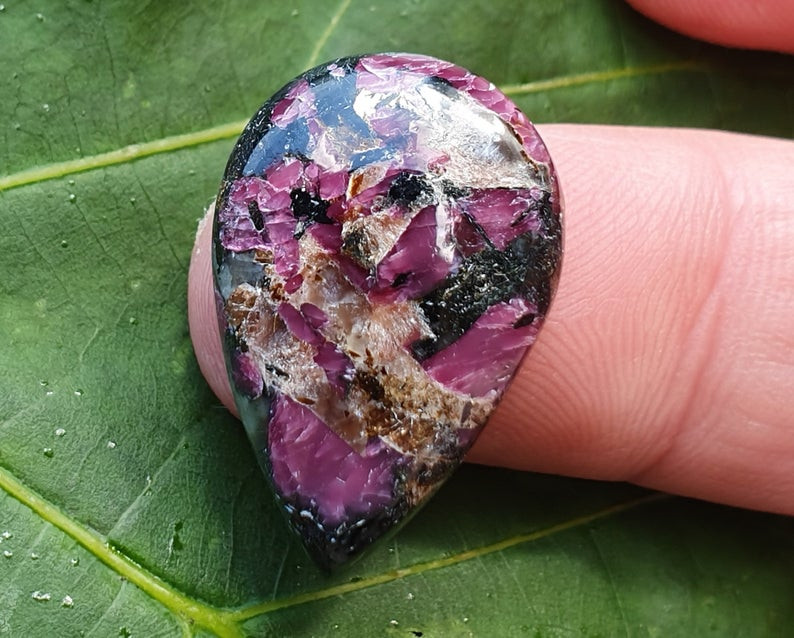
(445, 228)
(483, 152)
(373, 336)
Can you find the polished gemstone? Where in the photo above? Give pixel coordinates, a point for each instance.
(386, 244)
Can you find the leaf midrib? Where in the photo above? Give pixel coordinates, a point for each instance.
(230, 130)
(225, 622)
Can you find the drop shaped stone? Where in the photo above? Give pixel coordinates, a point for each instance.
(387, 240)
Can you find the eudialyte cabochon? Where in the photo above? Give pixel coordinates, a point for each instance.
(387, 241)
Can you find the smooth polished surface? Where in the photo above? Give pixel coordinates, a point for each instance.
(386, 245)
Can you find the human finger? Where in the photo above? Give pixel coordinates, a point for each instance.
(760, 24)
(666, 359)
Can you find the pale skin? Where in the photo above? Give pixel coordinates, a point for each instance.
(667, 359)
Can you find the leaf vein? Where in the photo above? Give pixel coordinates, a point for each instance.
(231, 130)
(598, 77)
(259, 609)
(216, 620)
(612, 585)
(148, 485)
(121, 155)
(159, 219)
(327, 33)
(122, 584)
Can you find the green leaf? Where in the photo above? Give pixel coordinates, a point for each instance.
(131, 503)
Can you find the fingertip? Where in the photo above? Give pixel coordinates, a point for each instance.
(663, 360)
(202, 316)
(762, 24)
(645, 372)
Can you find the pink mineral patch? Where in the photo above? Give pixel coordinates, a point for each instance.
(486, 356)
(477, 87)
(246, 375)
(503, 214)
(238, 232)
(414, 265)
(336, 364)
(329, 236)
(375, 188)
(333, 184)
(286, 252)
(380, 79)
(315, 467)
(313, 315)
(416, 63)
(298, 103)
(304, 324)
